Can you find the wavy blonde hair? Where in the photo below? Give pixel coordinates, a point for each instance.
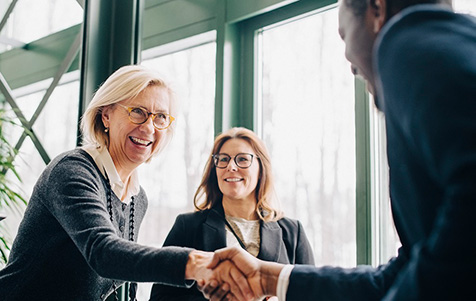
(208, 193)
(126, 83)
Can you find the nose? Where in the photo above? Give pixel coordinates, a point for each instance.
(148, 126)
(354, 69)
(232, 166)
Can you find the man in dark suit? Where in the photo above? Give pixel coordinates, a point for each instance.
(419, 60)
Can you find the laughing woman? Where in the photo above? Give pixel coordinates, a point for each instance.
(235, 206)
(77, 240)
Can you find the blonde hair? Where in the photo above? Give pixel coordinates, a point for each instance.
(208, 193)
(126, 83)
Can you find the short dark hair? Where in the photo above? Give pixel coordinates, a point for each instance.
(393, 6)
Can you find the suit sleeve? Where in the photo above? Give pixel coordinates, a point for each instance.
(176, 237)
(363, 283)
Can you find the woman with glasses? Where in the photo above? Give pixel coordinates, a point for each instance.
(77, 238)
(236, 206)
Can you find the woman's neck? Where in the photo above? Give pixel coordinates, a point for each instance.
(245, 209)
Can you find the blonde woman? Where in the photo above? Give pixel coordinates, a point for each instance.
(77, 238)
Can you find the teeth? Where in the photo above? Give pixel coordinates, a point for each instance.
(233, 180)
(140, 141)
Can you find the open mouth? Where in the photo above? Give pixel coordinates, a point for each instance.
(140, 141)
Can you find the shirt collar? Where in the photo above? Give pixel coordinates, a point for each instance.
(104, 162)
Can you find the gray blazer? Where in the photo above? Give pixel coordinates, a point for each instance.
(283, 241)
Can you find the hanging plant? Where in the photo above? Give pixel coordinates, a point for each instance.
(10, 198)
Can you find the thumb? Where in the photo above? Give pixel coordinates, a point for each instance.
(220, 255)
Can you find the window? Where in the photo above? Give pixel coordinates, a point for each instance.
(307, 122)
(34, 19)
(56, 129)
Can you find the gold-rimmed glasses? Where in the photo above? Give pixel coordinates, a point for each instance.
(139, 115)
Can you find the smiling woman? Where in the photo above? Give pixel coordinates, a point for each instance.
(236, 206)
(83, 218)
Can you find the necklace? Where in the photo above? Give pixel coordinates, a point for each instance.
(133, 285)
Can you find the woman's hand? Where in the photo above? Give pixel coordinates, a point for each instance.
(225, 280)
(197, 265)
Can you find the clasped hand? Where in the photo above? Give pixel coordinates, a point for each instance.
(234, 274)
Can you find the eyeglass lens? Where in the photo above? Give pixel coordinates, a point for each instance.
(139, 116)
(241, 160)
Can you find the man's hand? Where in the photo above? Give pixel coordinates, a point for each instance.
(261, 276)
(227, 281)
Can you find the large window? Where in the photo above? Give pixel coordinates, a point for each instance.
(55, 127)
(50, 106)
(307, 121)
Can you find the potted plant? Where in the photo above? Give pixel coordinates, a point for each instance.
(10, 198)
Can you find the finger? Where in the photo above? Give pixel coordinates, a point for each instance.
(227, 272)
(208, 289)
(220, 293)
(242, 284)
(200, 284)
(220, 255)
(230, 297)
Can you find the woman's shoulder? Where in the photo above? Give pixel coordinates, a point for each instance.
(71, 157)
(194, 215)
(289, 223)
(71, 162)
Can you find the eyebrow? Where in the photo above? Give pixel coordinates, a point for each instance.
(159, 111)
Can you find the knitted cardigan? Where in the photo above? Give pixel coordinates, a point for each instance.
(67, 248)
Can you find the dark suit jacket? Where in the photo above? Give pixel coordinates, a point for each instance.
(426, 78)
(283, 241)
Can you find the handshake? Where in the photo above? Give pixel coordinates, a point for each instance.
(233, 274)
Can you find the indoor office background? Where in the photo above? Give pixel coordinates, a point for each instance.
(274, 66)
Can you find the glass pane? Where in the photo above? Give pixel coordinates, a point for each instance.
(465, 6)
(29, 165)
(33, 19)
(308, 125)
(170, 179)
(385, 239)
(57, 124)
(55, 128)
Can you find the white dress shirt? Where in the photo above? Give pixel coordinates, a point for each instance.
(104, 162)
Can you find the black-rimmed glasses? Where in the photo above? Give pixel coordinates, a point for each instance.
(138, 115)
(242, 160)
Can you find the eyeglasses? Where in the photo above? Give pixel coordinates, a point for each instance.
(138, 115)
(242, 160)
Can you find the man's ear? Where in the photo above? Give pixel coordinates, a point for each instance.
(378, 12)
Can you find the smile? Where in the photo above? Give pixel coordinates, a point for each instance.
(233, 179)
(140, 141)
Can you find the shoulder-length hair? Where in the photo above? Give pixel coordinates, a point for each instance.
(208, 193)
(126, 83)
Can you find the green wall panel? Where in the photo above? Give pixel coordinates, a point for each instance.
(39, 60)
(165, 22)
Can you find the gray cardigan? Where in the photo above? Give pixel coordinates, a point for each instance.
(68, 249)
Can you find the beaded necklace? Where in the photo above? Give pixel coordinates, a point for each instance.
(133, 285)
